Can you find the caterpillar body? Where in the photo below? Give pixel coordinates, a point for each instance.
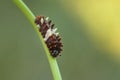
(51, 38)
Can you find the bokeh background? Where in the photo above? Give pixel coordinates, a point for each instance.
(90, 31)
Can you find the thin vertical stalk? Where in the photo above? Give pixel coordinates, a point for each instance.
(30, 16)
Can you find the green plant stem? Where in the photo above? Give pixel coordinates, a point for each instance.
(30, 16)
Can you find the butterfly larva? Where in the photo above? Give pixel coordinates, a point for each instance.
(51, 38)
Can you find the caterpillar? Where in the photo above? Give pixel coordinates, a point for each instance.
(51, 38)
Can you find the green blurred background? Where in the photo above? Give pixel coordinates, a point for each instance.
(89, 53)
